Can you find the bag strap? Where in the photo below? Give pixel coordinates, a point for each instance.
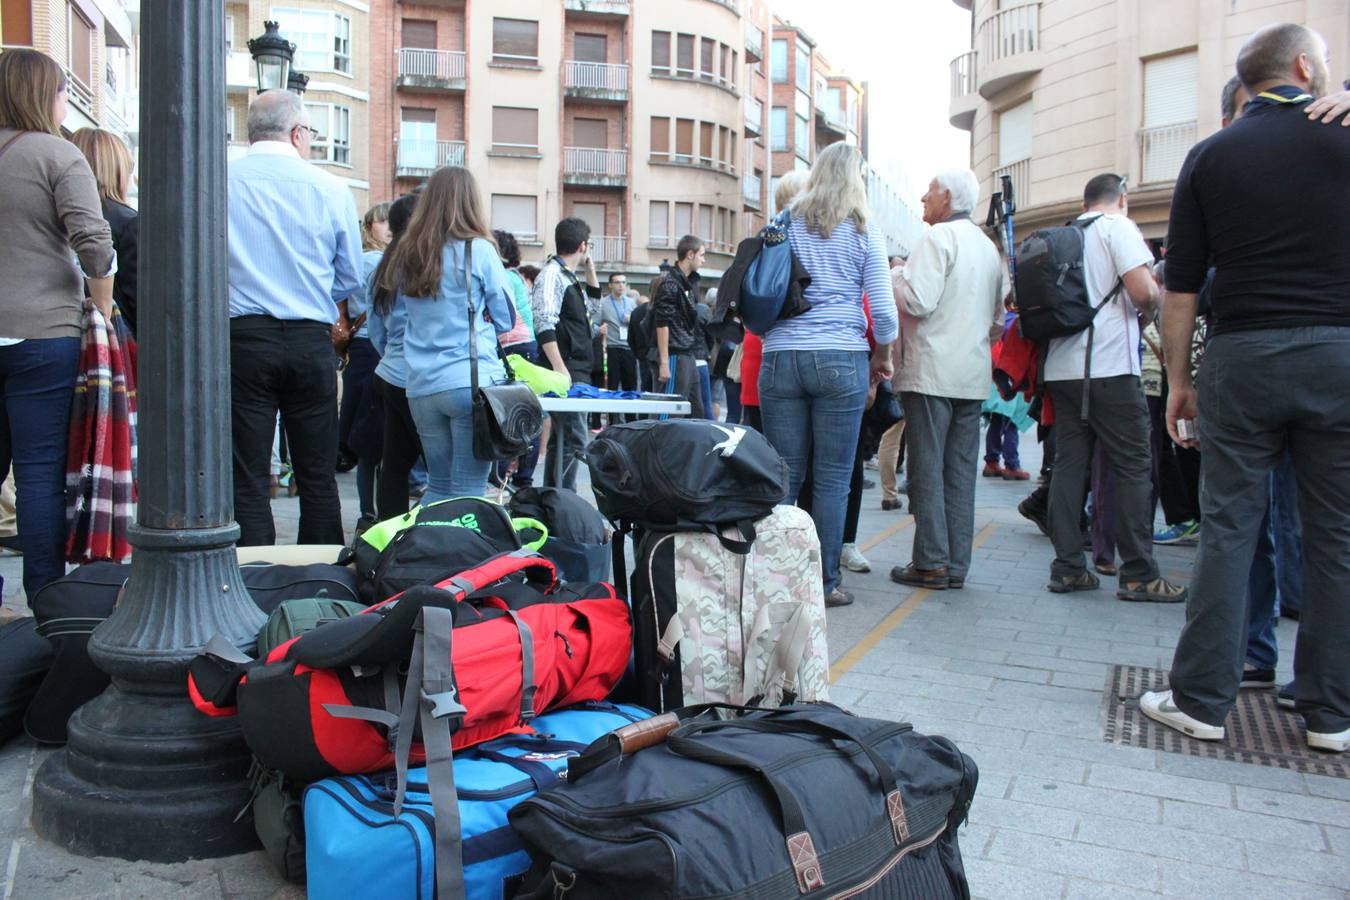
(1091, 339)
(473, 337)
(357, 323)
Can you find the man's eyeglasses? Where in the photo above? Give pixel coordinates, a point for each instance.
(313, 132)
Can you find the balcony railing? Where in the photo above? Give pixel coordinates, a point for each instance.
(1021, 179)
(81, 94)
(595, 161)
(1163, 149)
(608, 249)
(754, 115)
(1010, 32)
(751, 188)
(754, 42)
(963, 75)
(418, 159)
(592, 76)
(598, 7)
(441, 65)
(687, 159)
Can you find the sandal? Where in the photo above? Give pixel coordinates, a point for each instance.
(1108, 569)
(1159, 590)
(1063, 584)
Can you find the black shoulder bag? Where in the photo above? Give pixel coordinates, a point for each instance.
(506, 417)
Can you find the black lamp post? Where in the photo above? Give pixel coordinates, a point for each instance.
(272, 55)
(145, 776)
(296, 82)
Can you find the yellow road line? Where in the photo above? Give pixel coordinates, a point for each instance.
(898, 615)
(888, 533)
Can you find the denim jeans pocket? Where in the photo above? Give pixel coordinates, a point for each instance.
(837, 373)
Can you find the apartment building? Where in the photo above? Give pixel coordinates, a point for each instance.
(95, 41)
(1056, 91)
(333, 48)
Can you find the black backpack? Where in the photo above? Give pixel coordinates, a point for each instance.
(1052, 295)
(639, 331)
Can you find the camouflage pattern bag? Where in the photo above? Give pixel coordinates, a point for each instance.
(711, 625)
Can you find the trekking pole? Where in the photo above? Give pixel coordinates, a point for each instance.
(1009, 207)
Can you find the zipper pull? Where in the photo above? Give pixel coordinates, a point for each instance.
(567, 647)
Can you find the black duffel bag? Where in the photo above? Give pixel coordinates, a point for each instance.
(578, 538)
(800, 801)
(685, 474)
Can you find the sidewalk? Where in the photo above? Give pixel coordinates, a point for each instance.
(1013, 673)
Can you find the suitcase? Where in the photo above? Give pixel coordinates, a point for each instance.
(25, 657)
(804, 801)
(69, 609)
(354, 839)
(714, 625)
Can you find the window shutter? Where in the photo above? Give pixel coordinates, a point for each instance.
(1014, 134)
(660, 136)
(684, 219)
(1169, 89)
(515, 129)
(590, 133)
(661, 50)
(515, 40)
(591, 48)
(419, 34)
(516, 214)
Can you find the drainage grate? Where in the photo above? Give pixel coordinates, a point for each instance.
(1258, 730)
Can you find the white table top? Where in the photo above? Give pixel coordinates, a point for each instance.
(645, 407)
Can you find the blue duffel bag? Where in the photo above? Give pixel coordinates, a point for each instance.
(356, 847)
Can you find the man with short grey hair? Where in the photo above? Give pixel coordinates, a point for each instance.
(294, 253)
(950, 298)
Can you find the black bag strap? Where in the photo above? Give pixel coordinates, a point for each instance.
(473, 336)
(1091, 339)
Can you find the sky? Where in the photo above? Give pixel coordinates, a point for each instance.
(903, 49)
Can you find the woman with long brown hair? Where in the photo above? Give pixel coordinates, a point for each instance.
(112, 165)
(51, 213)
(445, 264)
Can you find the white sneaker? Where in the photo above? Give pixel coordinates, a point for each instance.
(853, 560)
(1336, 743)
(1158, 706)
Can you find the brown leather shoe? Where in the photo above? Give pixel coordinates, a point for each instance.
(1016, 475)
(992, 470)
(935, 579)
(889, 505)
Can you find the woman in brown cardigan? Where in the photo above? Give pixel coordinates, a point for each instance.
(52, 237)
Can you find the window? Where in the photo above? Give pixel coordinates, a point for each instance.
(590, 133)
(684, 140)
(834, 103)
(593, 214)
(659, 226)
(660, 136)
(515, 42)
(515, 131)
(419, 34)
(81, 51)
(802, 137)
(1169, 90)
(724, 69)
(16, 23)
(684, 219)
(684, 55)
(778, 117)
(705, 144)
(229, 31)
(1014, 134)
(417, 139)
(778, 58)
(723, 145)
(661, 52)
(333, 143)
(803, 105)
(515, 213)
(591, 48)
(229, 124)
(705, 222)
(707, 59)
(803, 68)
(322, 39)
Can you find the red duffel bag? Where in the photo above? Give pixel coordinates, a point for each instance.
(488, 649)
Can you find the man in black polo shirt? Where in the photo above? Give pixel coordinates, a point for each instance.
(1266, 201)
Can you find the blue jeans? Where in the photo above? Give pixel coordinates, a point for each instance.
(812, 403)
(705, 388)
(37, 382)
(445, 425)
(1276, 578)
(1001, 440)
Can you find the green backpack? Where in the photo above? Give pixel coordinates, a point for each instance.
(295, 617)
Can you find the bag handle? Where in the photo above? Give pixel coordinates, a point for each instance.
(539, 572)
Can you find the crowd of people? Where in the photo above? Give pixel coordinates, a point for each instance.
(893, 358)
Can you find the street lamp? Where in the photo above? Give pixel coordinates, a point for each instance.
(272, 54)
(296, 82)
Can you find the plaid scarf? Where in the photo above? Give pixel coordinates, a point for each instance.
(101, 457)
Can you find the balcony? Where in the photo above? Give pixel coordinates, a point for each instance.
(430, 70)
(751, 191)
(965, 98)
(608, 249)
(240, 73)
(831, 120)
(965, 4)
(754, 117)
(1020, 172)
(595, 166)
(687, 159)
(598, 7)
(754, 44)
(605, 82)
(1009, 45)
(418, 159)
(1162, 150)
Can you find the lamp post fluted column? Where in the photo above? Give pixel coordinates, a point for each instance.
(145, 776)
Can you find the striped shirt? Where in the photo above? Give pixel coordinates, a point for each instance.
(295, 239)
(843, 268)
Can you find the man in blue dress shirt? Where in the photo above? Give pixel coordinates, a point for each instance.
(294, 252)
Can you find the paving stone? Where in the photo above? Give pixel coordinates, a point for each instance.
(1016, 762)
(1155, 840)
(1294, 806)
(1227, 771)
(1086, 799)
(1012, 673)
(1298, 865)
(1071, 858)
(1338, 839)
(1157, 784)
(1324, 786)
(1193, 880)
(1243, 825)
(1046, 820)
(991, 880)
(992, 785)
(1093, 750)
(1080, 889)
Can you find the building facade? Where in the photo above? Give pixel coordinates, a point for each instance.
(96, 42)
(333, 47)
(1056, 91)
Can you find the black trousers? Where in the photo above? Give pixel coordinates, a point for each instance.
(623, 373)
(402, 447)
(287, 367)
(1176, 470)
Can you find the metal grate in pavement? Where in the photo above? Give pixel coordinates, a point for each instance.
(1258, 730)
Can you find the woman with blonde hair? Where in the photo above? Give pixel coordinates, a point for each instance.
(815, 375)
(112, 164)
(51, 213)
(445, 264)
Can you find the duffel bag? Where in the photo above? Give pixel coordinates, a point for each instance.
(430, 543)
(800, 801)
(578, 538)
(685, 474)
(69, 609)
(25, 657)
(354, 838)
(343, 699)
(711, 625)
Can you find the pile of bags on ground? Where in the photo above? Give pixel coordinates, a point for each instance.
(480, 712)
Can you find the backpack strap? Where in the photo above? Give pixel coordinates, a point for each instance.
(1092, 336)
